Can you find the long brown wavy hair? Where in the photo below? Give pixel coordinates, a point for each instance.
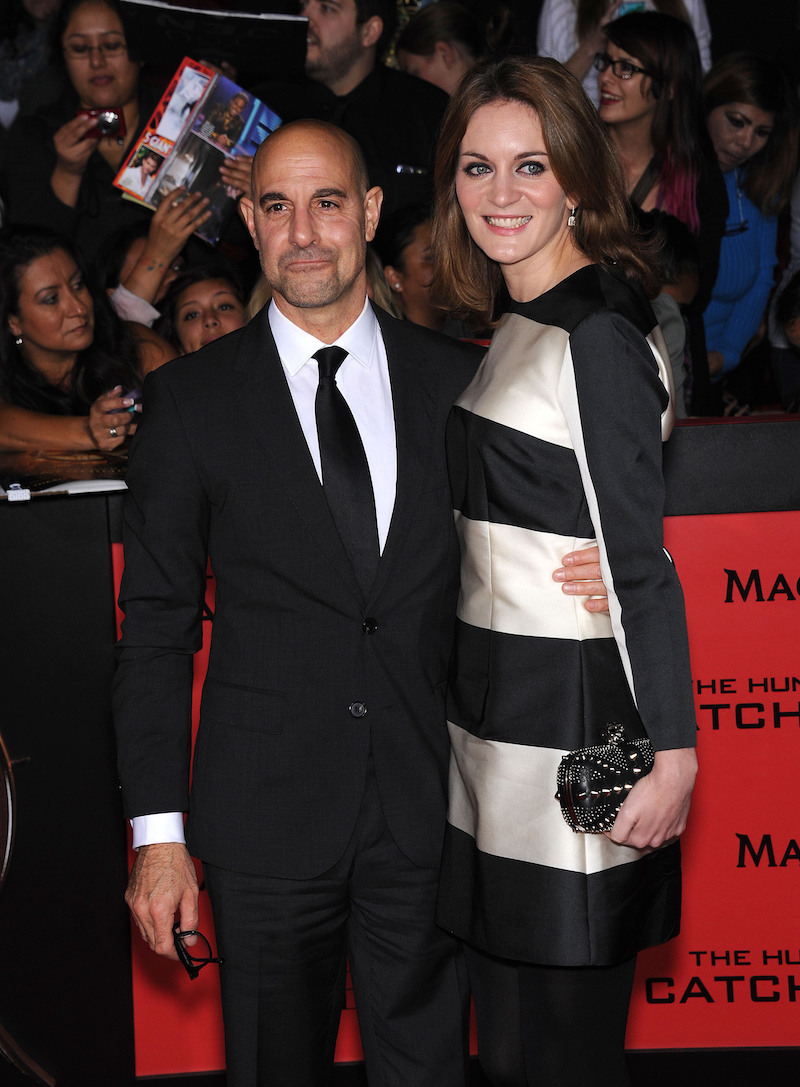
(581, 157)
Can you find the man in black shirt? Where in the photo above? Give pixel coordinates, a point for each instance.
(393, 116)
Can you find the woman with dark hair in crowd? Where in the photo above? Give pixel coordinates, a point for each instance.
(67, 363)
(440, 43)
(572, 31)
(752, 117)
(59, 170)
(403, 243)
(651, 100)
(203, 303)
(556, 442)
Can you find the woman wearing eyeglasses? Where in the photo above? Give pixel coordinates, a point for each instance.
(650, 86)
(59, 176)
(752, 115)
(572, 31)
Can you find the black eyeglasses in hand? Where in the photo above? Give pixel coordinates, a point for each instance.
(192, 964)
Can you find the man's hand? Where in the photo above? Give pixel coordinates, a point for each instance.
(163, 882)
(581, 576)
(657, 807)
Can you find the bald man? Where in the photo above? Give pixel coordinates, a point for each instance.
(319, 779)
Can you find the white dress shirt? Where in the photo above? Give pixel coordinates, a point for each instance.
(363, 380)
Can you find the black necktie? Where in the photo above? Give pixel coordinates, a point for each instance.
(345, 472)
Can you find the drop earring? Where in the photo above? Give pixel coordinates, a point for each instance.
(571, 220)
(18, 341)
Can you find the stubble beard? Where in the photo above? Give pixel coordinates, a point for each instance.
(311, 290)
(334, 62)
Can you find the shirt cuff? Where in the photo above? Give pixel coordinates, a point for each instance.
(158, 829)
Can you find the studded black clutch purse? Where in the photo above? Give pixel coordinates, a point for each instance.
(594, 781)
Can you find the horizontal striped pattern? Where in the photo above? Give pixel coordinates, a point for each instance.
(551, 692)
(507, 583)
(553, 917)
(513, 787)
(511, 478)
(555, 444)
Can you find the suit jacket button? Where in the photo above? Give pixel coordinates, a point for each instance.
(369, 626)
(357, 709)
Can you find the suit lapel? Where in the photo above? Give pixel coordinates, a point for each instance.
(268, 409)
(414, 401)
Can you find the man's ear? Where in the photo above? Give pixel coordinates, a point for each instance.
(372, 211)
(371, 31)
(247, 211)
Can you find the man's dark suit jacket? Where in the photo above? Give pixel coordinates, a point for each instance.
(220, 468)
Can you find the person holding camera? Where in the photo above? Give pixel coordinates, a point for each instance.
(61, 163)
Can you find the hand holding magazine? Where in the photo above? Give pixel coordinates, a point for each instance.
(202, 124)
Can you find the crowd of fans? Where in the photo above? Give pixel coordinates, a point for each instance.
(97, 290)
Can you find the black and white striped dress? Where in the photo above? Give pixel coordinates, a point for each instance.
(556, 444)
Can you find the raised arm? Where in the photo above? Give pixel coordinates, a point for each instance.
(173, 223)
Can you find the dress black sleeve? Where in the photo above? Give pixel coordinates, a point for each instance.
(613, 399)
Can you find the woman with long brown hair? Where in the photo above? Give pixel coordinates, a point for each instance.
(555, 444)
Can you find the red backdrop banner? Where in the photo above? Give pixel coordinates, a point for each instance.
(732, 977)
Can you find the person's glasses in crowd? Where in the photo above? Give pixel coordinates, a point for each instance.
(114, 47)
(622, 69)
(192, 963)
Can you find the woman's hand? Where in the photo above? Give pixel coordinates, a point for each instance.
(110, 423)
(73, 151)
(656, 809)
(73, 148)
(236, 173)
(175, 219)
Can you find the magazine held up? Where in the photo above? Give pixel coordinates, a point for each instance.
(202, 119)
